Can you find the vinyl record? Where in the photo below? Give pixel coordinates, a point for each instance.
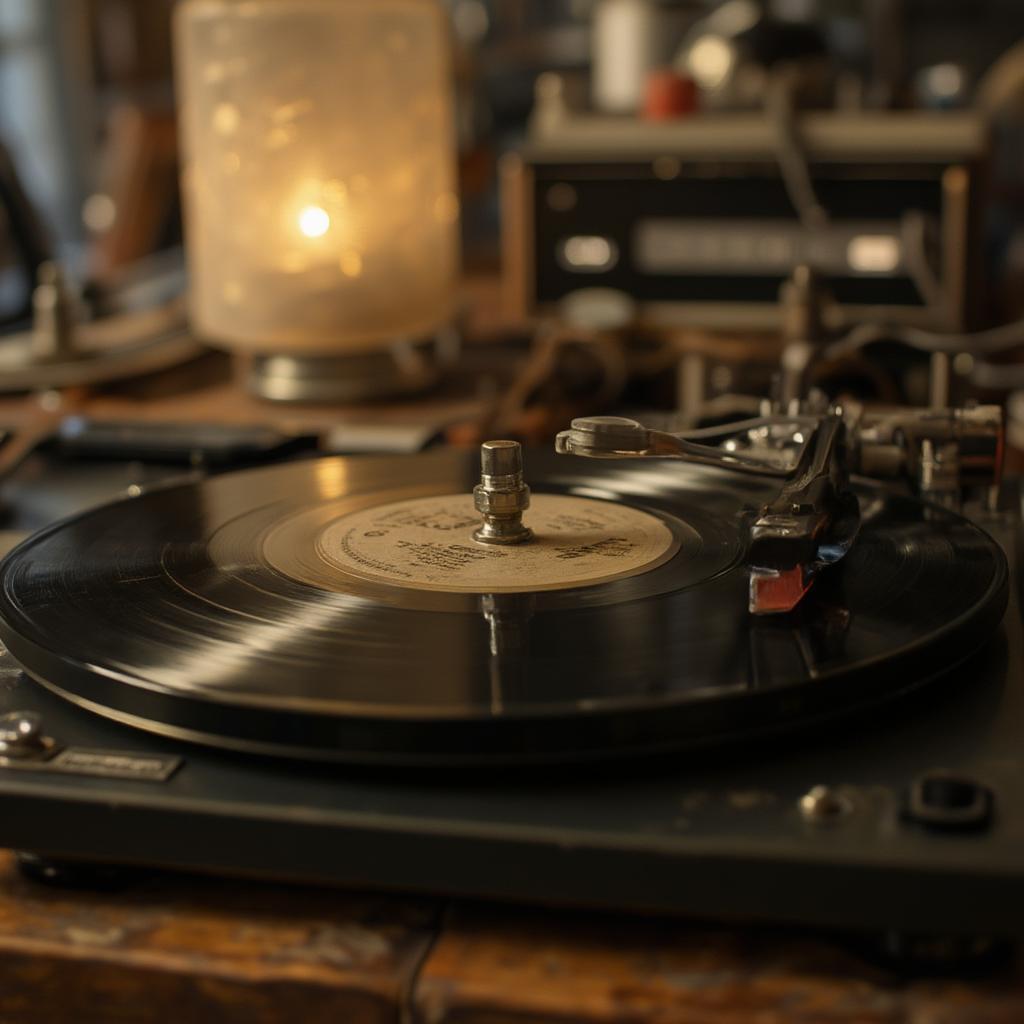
(338, 609)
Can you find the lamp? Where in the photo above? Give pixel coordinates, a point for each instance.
(318, 177)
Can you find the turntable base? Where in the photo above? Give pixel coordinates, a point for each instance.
(866, 775)
(701, 834)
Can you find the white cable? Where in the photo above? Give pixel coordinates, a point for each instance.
(995, 339)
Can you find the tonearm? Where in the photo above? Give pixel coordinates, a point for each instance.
(813, 519)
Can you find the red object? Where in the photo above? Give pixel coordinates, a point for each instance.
(669, 95)
(775, 592)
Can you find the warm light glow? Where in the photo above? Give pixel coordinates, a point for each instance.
(711, 60)
(944, 81)
(351, 264)
(306, 215)
(314, 221)
(589, 253)
(874, 254)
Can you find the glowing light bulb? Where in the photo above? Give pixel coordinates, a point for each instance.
(314, 221)
(295, 232)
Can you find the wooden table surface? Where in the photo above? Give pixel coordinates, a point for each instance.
(195, 949)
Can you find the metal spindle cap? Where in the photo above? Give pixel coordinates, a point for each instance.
(501, 497)
(501, 458)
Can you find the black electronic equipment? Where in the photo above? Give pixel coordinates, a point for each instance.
(313, 671)
(701, 220)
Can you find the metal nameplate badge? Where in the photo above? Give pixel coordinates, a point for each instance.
(109, 764)
(24, 744)
(114, 764)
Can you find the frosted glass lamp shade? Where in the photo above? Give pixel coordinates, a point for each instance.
(318, 175)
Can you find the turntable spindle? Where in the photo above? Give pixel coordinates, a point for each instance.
(501, 497)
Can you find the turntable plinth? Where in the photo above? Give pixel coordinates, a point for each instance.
(185, 948)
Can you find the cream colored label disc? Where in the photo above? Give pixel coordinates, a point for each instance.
(428, 543)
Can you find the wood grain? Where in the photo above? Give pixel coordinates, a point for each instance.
(503, 966)
(170, 948)
(183, 948)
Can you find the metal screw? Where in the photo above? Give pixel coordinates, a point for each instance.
(824, 803)
(501, 497)
(21, 734)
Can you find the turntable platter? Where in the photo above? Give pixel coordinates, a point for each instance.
(231, 612)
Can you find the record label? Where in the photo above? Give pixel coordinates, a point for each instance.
(428, 543)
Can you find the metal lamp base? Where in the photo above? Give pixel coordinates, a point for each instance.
(404, 368)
